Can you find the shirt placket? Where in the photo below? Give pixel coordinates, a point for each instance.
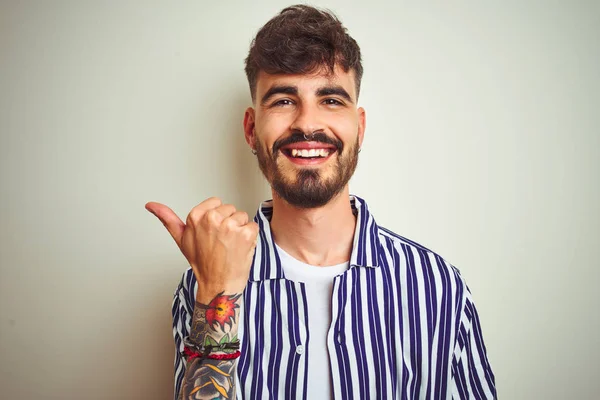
(299, 338)
(335, 341)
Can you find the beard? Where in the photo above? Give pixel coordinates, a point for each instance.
(306, 187)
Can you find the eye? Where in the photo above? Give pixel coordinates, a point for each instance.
(333, 102)
(282, 103)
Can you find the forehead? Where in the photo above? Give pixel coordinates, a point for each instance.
(308, 83)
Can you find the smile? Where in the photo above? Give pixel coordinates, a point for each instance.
(308, 156)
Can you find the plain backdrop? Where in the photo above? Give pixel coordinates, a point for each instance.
(482, 144)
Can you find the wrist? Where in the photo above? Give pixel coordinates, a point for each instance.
(207, 292)
(216, 317)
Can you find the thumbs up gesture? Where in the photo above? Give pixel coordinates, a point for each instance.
(218, 242)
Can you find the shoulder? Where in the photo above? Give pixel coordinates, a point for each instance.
(418, 262)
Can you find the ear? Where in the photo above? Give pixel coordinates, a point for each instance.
(362, 125)
(249, 132)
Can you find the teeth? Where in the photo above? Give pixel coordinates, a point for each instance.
(310, 153)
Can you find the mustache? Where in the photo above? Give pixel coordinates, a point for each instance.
(298, 136)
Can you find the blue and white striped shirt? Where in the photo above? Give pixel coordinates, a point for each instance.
(404, 325)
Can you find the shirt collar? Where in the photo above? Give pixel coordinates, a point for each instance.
(365, 249)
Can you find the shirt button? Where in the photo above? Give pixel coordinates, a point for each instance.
(339, 338)
(299, 349)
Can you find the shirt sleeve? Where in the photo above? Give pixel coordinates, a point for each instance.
(472, 375)
(182, 309)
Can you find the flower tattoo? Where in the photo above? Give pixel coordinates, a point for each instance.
(221, 310)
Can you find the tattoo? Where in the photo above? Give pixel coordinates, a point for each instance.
(221, 310)
(209, 379)
(199, 326)
(213, 324)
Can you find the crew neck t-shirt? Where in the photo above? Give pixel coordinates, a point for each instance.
(318, 284)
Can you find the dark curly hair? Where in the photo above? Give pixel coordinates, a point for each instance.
(302, 39)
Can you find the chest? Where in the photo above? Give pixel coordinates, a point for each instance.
(385, 334)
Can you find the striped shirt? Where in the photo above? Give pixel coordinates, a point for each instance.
(404, 325)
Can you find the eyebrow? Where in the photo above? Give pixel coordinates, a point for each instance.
(278, 89)
(334, 90)
(293, 90)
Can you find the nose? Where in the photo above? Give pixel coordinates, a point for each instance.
(308, 120)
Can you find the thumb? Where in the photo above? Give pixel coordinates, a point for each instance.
(169, 219)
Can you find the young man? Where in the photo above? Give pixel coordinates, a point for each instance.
(313, 299)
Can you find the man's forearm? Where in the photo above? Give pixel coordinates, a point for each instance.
(213, 325)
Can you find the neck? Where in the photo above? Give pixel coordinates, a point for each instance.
(321, 236)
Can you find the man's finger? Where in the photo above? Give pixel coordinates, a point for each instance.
(170, 220)
(240, 217)
(226, 210)
(198, 211)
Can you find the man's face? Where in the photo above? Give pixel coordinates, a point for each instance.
(307, 173)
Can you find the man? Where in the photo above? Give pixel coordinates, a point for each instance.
(313, 299)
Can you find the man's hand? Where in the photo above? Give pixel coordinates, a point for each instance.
(217, 241)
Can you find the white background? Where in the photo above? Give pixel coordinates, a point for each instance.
(482, 144)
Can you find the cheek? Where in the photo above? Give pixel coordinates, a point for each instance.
(345, 128)
(269, 130)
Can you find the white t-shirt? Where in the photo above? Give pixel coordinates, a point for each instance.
(318, 282)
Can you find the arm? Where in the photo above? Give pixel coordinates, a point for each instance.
(189, 321)
(213, 322)
(472, 375)
(218, 242)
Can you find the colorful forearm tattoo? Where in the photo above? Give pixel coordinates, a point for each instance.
(212, 324)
